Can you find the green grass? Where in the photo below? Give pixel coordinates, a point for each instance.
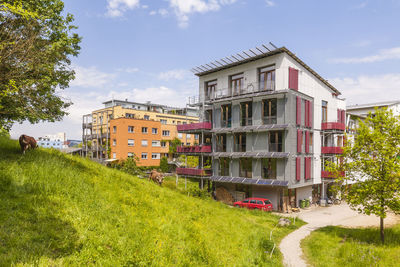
(64, 210)
(338, 246)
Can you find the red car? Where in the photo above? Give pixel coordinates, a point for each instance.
(255, 203)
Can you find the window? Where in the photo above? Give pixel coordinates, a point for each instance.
(252, 201)
(237, 84)
(144, 142)
(221, 142)
(114, 142)
(226, 116)
(267, 78)
(173, 122)
(259, 202)
(188, 144)
(130, 129)
(165, 133)
(269, 111)
(224, 166)
(196, 136)
(144, 155)
(155, 143)
(245, 167)
(144, 130)
(210, 89)
(180, 135)
(163, 144)
(130, 155)
(129, 115)
(267, 202)
(163, 121)
(155, 155)
(154, 130)
(114, 129)
(114, 155)
(324, 111)
(131, 142)
(146, 117)
(188, 136)
(246, 113)
(269, 168)
(275, 142)
(240, 142)
(178, 122)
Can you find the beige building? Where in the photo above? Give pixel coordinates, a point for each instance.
(96, 126)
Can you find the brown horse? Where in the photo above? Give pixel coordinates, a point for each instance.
(27, 142)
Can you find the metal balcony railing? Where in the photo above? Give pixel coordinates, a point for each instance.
(194, 126)
(326, 174)
(194, 172)
(269, 120)
(275, 147)
(331, 150)
(194, 149)
(333, 126)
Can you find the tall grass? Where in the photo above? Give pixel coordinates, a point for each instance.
(64, 210)
(338, 246)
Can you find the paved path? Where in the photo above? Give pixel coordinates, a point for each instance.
(319, 217)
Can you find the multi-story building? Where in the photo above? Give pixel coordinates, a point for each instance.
(273, 123)
(128, 118)
(57, 141)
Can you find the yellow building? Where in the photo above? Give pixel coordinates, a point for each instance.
(96, 126)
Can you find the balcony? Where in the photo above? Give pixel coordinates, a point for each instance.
(331, 150)
(326, 174)
(194, 172)
(333, 126)
(194, 149)
(194, 126)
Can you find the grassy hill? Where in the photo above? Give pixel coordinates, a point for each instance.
(63, 210)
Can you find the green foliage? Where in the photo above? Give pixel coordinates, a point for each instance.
(164, 164)
(36, 43)
(337, 246)
(128, 165)
(173, 144)
(372, 161)
(63, 210)
(189, 161)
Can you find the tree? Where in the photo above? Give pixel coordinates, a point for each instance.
(372, 167)
(173, 144)
(164, 164)
(36, 43)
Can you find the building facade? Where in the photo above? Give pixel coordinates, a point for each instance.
(101, 142)
(57, 141)
(273, 123)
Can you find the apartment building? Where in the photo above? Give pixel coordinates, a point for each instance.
(101, 142)
(273, 123)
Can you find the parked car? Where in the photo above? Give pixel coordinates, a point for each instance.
(255, 203)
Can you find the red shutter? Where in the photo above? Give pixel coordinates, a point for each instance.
(298, 169)
(343, 115)
(299, 140)
(339, 116)
(306, 113)
(307, 141)
(293, 79)
(298, 110)
(310, 115)
(307, 173)
(305, 168)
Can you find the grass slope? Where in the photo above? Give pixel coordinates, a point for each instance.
(63, 210)
(338, 246)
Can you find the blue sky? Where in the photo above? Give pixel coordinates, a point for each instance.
(143, 50)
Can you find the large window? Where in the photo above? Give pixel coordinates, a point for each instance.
(155, 155)
(240, 142)
(269, 111)
(237, 84)
(324, 111)
(226, 116)
(130, 129)
(210, 88)
(144, 142)
(275, 143)
(269, 168)
(163, 144)
(267, 79)
(221, 142)
(224, 166)
(163, 121)
(165, 133)
(144, 155)
(144, 130)
(245, 167)
(114, 129)
(155, 143)
(246, 113)
(154, 130)
(130, 155)
(131, 142)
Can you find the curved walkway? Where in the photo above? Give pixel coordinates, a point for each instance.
(319, 217)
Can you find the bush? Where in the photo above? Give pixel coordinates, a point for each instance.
(164, 164)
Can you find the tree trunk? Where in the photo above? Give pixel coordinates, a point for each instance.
(382, 231)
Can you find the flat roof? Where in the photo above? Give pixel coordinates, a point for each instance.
(371, 105)
(146, 104)
(252, 55)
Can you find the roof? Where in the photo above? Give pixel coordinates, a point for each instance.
(371, 105)
(146, 104)
(252, 55)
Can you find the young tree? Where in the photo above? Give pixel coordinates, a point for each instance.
(36, 42)
(371, 163)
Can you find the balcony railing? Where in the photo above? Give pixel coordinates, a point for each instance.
(333, 126)
(326, 174)
(194, 149)
(246, 121)
(331, 150)
(226, 123)
(194, 126)
(269, 120)
(239, 148)
(275, 147)
(194, 172)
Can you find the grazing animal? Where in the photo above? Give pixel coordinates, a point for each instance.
(157, 177)
(27, 142)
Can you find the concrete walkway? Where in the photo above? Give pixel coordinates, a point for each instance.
(318, 217)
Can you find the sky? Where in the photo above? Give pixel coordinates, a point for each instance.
(143, 50)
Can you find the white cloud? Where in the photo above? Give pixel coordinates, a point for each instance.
(116, 8)
(128, 70)
(184, 8)
(163, 12)
(145, 6)
(359, 6)
(152, 13)
(90, 77)
(178, 74)
(270, 3)
(384, 54)
(369, 88)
